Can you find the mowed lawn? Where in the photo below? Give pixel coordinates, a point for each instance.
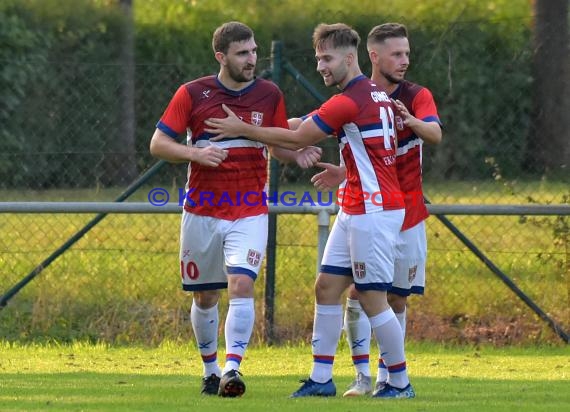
(83, 377)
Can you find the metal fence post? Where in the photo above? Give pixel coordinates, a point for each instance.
(269, 306)
(323, 219)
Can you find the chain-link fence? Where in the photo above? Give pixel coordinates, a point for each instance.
(79, 132)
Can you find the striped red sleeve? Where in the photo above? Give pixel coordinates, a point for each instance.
(176, 117)
(424, 107)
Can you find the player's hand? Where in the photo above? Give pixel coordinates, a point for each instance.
(294, 122)
(231, 126)
(308, 156)
(407, 118)
(329, 178)
(210, 155)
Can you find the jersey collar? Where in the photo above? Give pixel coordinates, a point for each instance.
(236, 92)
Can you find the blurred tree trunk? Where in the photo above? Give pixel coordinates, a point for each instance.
(126, 166)
(549, 143)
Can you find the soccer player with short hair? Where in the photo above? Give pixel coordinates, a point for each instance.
(360, 247)
(417, 121)
(223, 238)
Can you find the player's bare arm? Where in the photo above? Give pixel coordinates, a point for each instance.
(329, 178)
(307, 134)
(294, 122)
(166, 148)
(308, 156)
(429, 132)
(305, 157)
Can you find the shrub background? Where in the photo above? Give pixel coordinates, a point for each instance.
(62, 76)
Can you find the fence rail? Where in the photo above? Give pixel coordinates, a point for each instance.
(144, 207)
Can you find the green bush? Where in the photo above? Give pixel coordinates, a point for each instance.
(62, 65)
(62, 114)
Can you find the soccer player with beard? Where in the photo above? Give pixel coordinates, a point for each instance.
(223, 234)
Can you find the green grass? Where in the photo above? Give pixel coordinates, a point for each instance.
(501, 191)
(102, 378)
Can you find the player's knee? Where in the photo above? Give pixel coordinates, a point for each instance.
(352, 293)
(206, 299)
(240, 286)
(397, 302)
(328, 290)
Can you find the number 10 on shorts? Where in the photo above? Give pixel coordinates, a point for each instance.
(189, 270)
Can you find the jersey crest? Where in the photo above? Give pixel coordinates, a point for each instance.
(256, 118)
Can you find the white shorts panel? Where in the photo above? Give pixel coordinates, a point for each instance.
(245, 244)
(210, 248)
(410, 264)
(366, 245)
(412, 243)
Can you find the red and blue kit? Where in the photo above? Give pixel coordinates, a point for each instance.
(236, 188)
(362, 118)
(420, 104)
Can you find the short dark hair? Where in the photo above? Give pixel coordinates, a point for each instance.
(386, 31)
(338, 34)
(230, 32)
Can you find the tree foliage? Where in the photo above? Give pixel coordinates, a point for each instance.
(474, 55)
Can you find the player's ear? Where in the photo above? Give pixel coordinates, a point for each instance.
(350, 59)
(372, 55)
(220, 57)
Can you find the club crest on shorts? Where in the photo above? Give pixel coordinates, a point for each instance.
(253, 257)
(412, 273)
(256, 118)
(359, 270)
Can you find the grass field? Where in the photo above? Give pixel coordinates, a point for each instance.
(101, 378)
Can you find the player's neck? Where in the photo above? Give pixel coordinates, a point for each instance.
(231, 84)
(349, 77)
(384, 83)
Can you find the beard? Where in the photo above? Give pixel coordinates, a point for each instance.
(330, 81)
(392, 79)
(336, 78)
(240, 75)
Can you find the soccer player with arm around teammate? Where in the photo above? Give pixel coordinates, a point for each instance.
(361, 244)
(417, 121)
(223, 234)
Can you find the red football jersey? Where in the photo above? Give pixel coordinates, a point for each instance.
(420, 103)
(236, 188)
(362, 118)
